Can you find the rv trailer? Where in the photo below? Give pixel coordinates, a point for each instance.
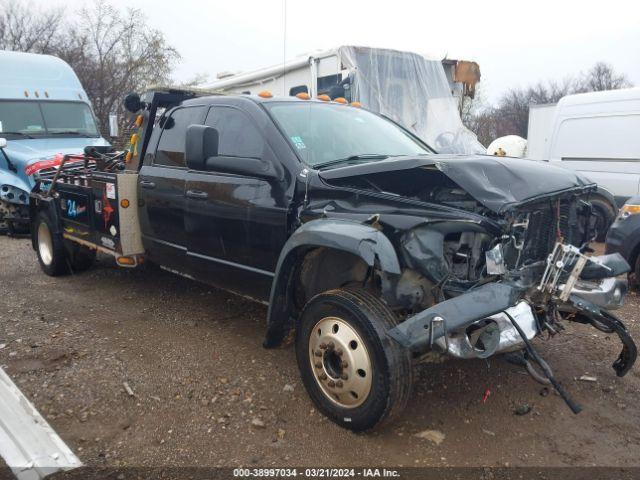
(422, 95)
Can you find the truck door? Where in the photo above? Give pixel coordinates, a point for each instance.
(236, 225)
(161, 190)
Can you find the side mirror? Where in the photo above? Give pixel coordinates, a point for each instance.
(3, 142)
(132, 102)
(201, 143)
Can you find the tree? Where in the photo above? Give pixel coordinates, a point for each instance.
(24, 28)
(511, 115)
(112, 52)
(115, 53)
(602, 77)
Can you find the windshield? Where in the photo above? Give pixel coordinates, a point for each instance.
(324, 133)
(30, 118)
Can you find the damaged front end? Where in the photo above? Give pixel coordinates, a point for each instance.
(494, 294)
(491, 253)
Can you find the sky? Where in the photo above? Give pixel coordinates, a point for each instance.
(515, 43)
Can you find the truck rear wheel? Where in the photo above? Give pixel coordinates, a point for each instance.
(354, 373)
(52, 255)
(81, 258)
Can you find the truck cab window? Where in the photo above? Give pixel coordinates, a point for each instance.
(293, 91)
(325, 84)
(239, 137)
(170, 150)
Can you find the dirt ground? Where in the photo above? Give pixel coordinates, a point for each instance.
(200, 378)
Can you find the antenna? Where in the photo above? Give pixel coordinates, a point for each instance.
(284, 50)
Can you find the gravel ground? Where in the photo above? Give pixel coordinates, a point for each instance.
(205, 392)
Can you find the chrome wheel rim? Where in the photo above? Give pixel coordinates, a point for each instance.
(340, 362)
(45, 244)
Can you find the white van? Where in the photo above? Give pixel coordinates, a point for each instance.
(598, 134)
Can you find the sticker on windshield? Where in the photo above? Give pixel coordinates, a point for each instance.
(297, 141)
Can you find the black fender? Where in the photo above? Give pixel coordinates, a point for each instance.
(39, 203)
(362, 240)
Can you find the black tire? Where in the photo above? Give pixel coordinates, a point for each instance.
(605, 215)
(634, 276)
(368, 318)
(50, 249)
(81, 258)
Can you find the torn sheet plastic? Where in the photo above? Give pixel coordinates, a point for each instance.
(412, 91)
(28, 444)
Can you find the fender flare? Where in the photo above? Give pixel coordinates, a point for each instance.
(362, 240)
(43, 204)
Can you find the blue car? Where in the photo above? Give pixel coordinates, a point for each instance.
(624, 236)
(44, 112)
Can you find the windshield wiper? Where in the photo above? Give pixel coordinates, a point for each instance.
(362, 156)
(70, 132)
(17, 133)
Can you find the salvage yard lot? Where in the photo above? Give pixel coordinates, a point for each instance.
(205, 392)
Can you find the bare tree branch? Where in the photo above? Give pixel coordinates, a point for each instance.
(113, 52)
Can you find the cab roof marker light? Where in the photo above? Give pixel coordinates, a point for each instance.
(26, 94)
(341, 100)
(356, 104)
(324, 98)
(303, 96)
(46, 94)
(265, 94)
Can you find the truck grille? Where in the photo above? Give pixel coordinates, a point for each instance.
(550, 223)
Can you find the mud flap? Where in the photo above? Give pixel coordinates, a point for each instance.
(454, 314)
(606, 322)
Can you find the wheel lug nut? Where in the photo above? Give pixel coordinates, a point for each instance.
(345, 364)
(344, 376)
(323, 346)
(322, 376)
(332, 383)
(339, 352)
(318, 353)
(331, 345)
(318, 365)
(339, 384)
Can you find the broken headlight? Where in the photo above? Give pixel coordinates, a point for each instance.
(495, 261)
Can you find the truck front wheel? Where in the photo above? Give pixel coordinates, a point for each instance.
(353, 372)
(52, 255)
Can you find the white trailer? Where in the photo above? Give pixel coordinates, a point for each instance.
(422, 95)
(539, 130)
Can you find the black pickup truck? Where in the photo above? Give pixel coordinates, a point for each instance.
(372, 251)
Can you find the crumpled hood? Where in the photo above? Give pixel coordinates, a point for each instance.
(24, 152)
(496, 182)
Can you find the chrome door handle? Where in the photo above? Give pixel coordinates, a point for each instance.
(197, 194)
(147, 184)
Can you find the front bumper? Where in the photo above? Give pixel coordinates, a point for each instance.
(496, 335)
(608, 294)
